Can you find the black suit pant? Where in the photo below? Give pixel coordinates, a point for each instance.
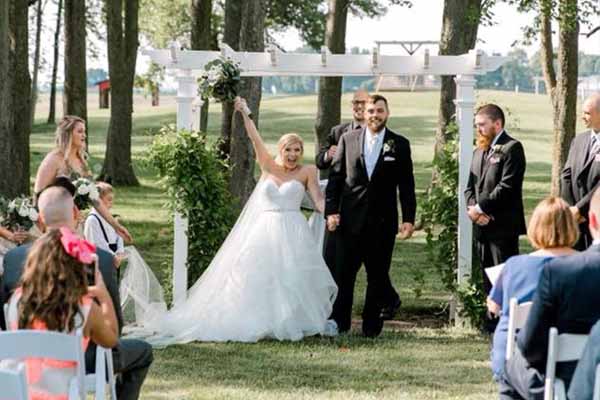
(494, 252)
(373, 246)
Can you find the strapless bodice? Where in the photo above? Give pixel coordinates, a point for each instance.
(285, 197)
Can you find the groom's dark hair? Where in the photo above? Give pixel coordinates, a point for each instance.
(374, 98)
(492, 111)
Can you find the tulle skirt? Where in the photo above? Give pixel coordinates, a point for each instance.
(268, 280)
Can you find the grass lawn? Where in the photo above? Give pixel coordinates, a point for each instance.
(418, 357)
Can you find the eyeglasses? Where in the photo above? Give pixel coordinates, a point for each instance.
(358, 102)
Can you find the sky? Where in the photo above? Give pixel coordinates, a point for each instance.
(424, 22)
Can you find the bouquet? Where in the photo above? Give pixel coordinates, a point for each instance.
(220, 80)
(86, 193)
(18, 214)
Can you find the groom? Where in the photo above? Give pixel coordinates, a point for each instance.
(371, 170)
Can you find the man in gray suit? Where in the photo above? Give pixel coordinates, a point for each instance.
(581, 174)
(132, 358)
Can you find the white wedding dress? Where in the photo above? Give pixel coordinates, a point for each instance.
(268, 280)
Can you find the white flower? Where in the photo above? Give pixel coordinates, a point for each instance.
(83, 190)
(386, 148)
(94, 195)
(1, 219)
(33, 214)
(23, 210)
(214, 74)
(12, 205)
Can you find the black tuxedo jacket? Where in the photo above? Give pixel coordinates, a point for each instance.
(351, 194)
(332, 140)
(497, 186)
(567, 297)
(14, 263)
(581, 174)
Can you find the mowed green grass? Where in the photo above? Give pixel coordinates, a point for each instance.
(416, 358)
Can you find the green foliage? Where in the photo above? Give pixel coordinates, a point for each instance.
(196, 181)
(440, 216)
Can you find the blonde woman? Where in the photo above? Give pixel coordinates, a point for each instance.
(69, 159)
(552, 232)
(268, 279)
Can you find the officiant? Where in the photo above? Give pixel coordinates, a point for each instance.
(494, 193)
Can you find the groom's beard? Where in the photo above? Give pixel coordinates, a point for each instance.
(376, 125)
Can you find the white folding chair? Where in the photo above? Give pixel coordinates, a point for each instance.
(23, 343)
(597, 384)
(517, 316)
(6, 315)
(561, 348)
(96, 383)
(13, 384)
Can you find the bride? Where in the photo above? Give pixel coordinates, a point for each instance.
(268, 279)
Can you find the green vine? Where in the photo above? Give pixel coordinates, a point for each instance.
(195, 178)
(440, 217)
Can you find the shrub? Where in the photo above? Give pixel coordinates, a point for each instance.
(195, 178)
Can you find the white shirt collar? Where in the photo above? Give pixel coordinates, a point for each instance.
(595, 134)
(595, 242)
(496, 138)
(379, 136)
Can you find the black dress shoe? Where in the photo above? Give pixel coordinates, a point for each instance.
(389, 312)
(372, 328)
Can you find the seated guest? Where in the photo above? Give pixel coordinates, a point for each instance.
(54, 295)
(98, 231)
(552, 232)
(584, 379)
(8, 241)
(567, 297)
(132, 358)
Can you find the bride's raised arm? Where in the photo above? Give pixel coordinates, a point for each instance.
(263, 157)
(314, 188)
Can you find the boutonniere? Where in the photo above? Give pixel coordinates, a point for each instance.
(389, 146)
(497, 148)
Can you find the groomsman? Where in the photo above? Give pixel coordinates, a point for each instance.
(494, 192)
(581, 173)
(325, 157)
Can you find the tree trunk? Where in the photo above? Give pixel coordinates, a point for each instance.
(15, 98)
(566, 89)
(36, 59)
(459, 35)
(242, 154)
(52, 111)
(201, 39)
(75, 91)
(330, 88)
(231, 36)
(7, 137)
(122, 29)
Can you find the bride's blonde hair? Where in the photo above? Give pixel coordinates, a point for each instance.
(287, 140)
(64, 137)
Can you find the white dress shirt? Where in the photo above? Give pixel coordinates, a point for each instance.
(372, 149)
(93, 233)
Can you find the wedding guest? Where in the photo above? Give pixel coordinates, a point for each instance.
(98, 231)
(132, 358)
(567, 298)
(584, 378)
(54, 295)
(552, 231)
(494, 193)
(8, 240)
(69, 159)
(581, 173)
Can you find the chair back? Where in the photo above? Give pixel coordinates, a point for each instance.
(517, 316)
(6, 315)
(561, 348)
(13, 384)
(597, 384)
(25, 343)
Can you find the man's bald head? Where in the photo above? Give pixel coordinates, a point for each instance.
(57, 208)
(361, 95)
(359, 101)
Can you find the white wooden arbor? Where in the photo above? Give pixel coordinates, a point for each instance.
(189, 64)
